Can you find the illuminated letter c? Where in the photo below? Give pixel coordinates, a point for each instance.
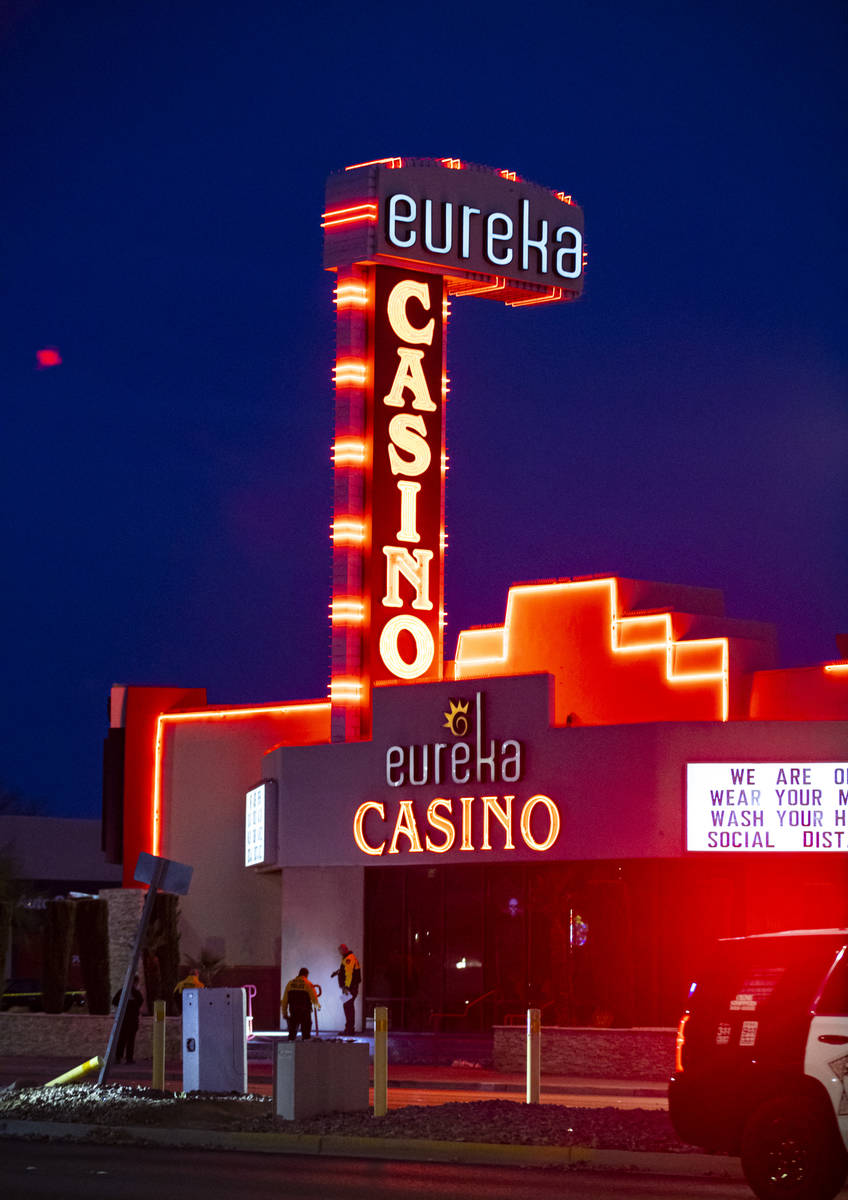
(399, 321)
(358, 821)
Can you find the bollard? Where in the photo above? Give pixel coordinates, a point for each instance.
(534, 1055)
(77, 1072)
(381, 1059)
(159, 1045)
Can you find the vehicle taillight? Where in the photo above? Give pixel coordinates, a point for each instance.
(678, 1044)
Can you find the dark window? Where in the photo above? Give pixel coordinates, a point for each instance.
(833, 1001)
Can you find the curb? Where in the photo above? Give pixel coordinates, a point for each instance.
(401, 1149)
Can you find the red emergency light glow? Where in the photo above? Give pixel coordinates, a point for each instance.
(47, 357)
(208, 714)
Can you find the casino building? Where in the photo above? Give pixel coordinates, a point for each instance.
(564, 813)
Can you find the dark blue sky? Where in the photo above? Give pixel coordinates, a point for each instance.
(166, 491)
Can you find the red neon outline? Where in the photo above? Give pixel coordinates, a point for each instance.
(554, 295)
(620, 627)
(357, 212)
(391, 163)
(206, 714)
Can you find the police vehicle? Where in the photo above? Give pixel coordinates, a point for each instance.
(761, 1066)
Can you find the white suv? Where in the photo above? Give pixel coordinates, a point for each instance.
(762, 1061)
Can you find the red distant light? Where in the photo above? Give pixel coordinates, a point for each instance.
(48, 357)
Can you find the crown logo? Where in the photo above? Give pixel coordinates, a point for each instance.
(456, 718)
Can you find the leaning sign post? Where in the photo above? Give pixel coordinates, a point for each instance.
(160, 875)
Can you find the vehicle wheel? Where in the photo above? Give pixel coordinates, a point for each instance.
(791, 1151)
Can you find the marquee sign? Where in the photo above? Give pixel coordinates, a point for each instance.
(465, 758)
(764, 806)
(406, 506)
(403, 235)
(468, 223)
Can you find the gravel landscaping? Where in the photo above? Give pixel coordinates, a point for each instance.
(500, 1121)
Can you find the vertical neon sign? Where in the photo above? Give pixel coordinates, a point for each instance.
(388, 455)
(407, 495)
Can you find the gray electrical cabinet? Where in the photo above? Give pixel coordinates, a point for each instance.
(214, 1040)
(320, 1076)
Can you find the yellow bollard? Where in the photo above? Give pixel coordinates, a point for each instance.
(159, 1045)
(381, 1059)
(93, 1064)
(534, 1055)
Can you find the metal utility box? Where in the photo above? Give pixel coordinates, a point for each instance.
(320, 1076)
(214, 1040)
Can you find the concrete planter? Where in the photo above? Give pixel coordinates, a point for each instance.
(590, 1053)
(76, 1035)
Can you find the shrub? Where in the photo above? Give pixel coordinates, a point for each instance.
(93, 946)
(58, 939)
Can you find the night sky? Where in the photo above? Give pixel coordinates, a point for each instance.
(167, 487)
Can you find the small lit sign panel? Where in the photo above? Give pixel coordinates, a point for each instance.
(260, 825)
(786, 806)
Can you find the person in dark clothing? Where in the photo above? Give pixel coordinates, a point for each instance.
(129, 1025)
(349, 976)
(297, 1003)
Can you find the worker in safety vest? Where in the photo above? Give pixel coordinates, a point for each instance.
(192, 980)
(349, 976)
(297, 1004)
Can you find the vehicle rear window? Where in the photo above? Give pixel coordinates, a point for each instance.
(833, 1001)
(760, 993)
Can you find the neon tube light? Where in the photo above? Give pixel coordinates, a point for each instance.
(347, 610)
(349, 452)
(345, 689)
(348, 531)
(354, 213)
(555, 293)
(391, 163)
(351, 294)
(207, 714)
(620, 628)
(350, 372)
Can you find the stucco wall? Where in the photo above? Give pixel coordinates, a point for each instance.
(232, 910)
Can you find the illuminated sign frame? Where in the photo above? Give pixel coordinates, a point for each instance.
(403, 235)
(260, 825)
(761, 807)
(489, 233)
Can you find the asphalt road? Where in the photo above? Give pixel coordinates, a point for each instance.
(42, 1170)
